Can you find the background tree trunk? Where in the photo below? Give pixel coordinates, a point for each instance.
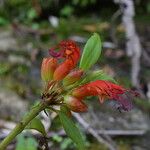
(133, 45)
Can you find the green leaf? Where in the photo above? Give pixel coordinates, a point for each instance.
(71, 130)
(31, 144)
(97, 75)
(37, 125)
(20, 142)
(26, 143)
(91, 52)
(106, 77)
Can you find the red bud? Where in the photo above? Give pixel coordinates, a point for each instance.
(62, 70)
(75, 104)
(72, 77)
(47, 68)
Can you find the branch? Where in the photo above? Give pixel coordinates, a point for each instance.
(121, 132)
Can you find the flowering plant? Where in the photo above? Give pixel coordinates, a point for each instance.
(67, 85)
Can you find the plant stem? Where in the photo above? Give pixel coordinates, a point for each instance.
(21, 125)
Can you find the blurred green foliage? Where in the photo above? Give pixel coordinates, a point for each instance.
(31, 11)
(83, 2)
(4, 68)
(7, 68)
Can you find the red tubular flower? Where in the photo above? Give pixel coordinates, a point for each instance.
(47, 68)
(71, 52)
(72, 77)
(104, 89)
(75, 104)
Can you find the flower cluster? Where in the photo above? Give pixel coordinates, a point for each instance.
(64, 81)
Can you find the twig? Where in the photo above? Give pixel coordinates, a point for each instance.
(121, 132)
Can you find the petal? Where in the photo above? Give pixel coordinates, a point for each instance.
(70, 48)
(54, 53)
(124, 102)
(67, 49)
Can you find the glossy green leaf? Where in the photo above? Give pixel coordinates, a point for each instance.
(97, 75)
(91, 52)
(71, 130)
(37, 125)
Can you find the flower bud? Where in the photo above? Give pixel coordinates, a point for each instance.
(47, 68)
(72, 77)
(75, 104)
(62, 70)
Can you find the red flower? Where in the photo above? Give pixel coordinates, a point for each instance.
(70, 52)
(104, 89)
